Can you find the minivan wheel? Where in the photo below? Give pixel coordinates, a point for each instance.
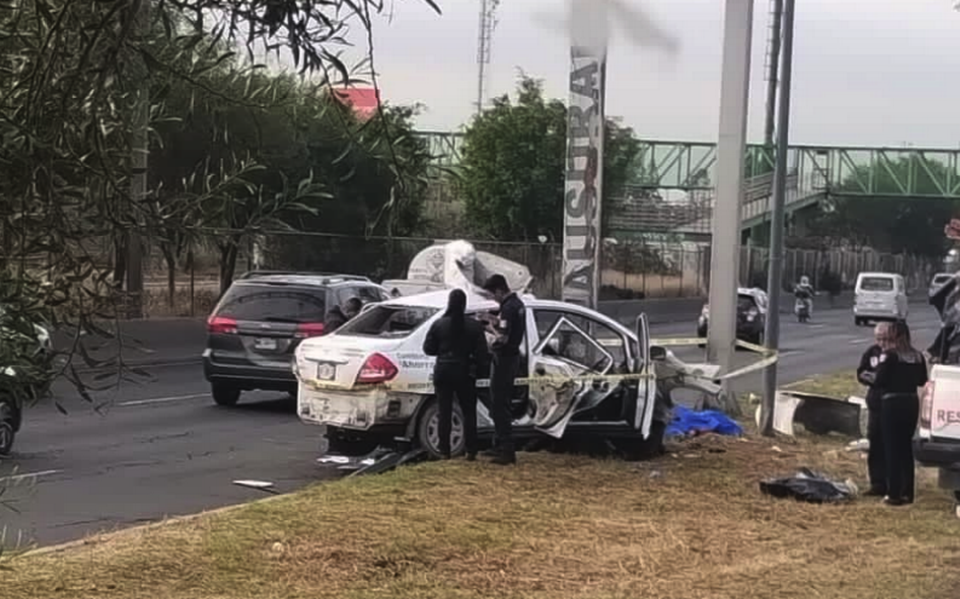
(225, 395)
(428, 430)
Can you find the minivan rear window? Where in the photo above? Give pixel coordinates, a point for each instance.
(273, 303)
(876, 284)
(388, 321)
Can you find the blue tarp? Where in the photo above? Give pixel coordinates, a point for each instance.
(686, 422)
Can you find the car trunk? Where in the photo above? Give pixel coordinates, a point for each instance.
(338, 359)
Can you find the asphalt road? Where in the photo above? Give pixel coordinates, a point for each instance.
(161, 448)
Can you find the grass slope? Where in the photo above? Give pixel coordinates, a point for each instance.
(692, 524)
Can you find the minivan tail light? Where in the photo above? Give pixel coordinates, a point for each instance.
(926, 405)
(309, 329)
(221, 325)
(377, 369)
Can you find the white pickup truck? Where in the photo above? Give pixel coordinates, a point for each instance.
(937, 443)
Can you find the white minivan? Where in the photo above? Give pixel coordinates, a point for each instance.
(879, 296)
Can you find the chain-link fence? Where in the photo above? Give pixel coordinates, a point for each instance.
(630, 270)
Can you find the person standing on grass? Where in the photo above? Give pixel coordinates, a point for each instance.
(460, 347)
(901, 370)
(509, 333)
(866, 375)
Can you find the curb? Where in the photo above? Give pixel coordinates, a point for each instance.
(101, 538)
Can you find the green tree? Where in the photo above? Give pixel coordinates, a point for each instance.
(513, 160)
(72, 100)
(890, 224)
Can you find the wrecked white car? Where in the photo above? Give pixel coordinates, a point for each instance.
(370, 384)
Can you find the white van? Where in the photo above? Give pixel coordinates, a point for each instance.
(879, 296)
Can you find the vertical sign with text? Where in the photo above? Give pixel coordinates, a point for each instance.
(584, 177)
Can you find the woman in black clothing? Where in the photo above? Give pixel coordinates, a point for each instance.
(901, 370)
(460, 346)
(866, 375)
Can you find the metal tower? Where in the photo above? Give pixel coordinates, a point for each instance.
(488, 23)
(772, 68)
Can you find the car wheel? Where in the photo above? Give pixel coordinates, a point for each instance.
(636, 449)
(428, 430)
(225, 395)
(7, 432)
(858, 322)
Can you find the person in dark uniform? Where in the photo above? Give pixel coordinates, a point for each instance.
(866, 375)
(337, 316)
(509, 333)
(900, 371)
(460, 347)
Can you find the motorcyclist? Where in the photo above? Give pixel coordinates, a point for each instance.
(804, 293)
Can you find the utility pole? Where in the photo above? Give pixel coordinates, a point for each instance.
(731, 146)
(773, 69)
(138, 168)
(774, 283)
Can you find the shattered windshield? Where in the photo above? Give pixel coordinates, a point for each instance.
(388, 321)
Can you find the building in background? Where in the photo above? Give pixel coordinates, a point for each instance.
(365, 101)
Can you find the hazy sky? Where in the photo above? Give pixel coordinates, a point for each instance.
(866, 72)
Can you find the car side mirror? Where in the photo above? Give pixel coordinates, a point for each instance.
(658, 353)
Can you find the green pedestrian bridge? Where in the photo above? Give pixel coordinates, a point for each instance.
(671, 193)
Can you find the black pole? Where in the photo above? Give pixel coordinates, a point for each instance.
(774, 283)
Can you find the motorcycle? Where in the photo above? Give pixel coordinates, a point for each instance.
(802, 309)
(803, 305)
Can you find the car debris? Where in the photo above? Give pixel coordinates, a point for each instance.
(818, 414)
(457, 265)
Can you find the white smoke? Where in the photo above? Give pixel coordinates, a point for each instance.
(589, 24)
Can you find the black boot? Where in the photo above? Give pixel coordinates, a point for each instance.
(505, 456)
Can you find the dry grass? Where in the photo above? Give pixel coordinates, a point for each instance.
(690, 525)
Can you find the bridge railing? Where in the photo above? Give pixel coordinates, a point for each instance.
(839, 171)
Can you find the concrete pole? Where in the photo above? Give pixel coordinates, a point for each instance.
(583, 186)
(731, 146)
(774, 284)
(773, 74)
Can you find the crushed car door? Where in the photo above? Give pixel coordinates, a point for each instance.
(566, 351)
(647, 387)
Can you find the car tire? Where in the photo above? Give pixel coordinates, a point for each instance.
(428, 431)
(636, 449)
(858, 322)
(7, 429)
(225, 395)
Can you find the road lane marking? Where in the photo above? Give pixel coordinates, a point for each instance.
(158, 400)
(18, 477)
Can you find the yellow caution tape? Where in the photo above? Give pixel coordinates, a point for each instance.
(769, 357)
